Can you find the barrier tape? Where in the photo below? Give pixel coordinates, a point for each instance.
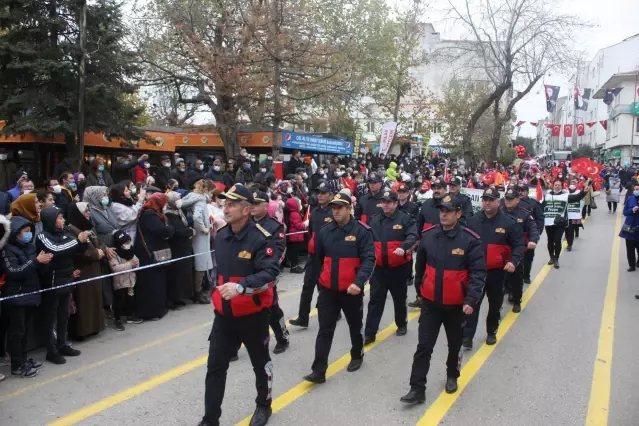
(113, 274)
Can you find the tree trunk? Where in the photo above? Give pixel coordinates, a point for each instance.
(74, 150)
(474, 118)
(277, 70)
(497, 126)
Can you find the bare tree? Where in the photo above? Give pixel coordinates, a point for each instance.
(513, 42)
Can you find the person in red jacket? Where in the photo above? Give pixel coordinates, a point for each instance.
(141, 171)
(296, 235)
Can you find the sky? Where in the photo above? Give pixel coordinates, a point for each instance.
(612, 20)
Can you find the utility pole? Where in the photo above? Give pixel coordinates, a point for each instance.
(634, 125)
(574, 107)
(82, 78)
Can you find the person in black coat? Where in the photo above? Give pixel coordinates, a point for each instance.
(60, 242)
(215, 174)
(179, 173)
(294, 163)
(123, 167)
(180, 243)
(195, 173)
(229, 175)
(152, 236)
(163, 173)
(20, 264)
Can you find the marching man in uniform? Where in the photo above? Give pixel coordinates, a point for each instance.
(395, 234)
(370, 204)
(247, 268)
(345, 249)
(451, 271)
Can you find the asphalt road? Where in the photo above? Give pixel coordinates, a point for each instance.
(541, 372)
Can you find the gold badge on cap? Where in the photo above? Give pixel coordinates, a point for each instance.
(338, 197)
(386, 194)
(232, 189)
(255, 195)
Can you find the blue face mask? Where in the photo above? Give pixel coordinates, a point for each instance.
(105, 201)
(101, 168)
(71, 185)
(26, 238)
(636, 193)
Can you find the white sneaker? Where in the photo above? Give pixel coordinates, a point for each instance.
(2, 377)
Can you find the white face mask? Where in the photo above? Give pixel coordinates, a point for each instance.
(572, 187)
(27, 191)
(57, 189)
(305, 176)
(217, 168)
(3, 157)
(167, 164)
(178, 204)
(269, 158)
(339, 174)
(200, 167)
(289, 190)
(263, 170)
(147, 165)
(126, 246)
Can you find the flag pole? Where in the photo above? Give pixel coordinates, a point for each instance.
(634, 119)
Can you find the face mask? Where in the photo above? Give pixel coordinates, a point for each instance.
(263, 170)
(217, 168)
(289, 190)
(560, 176)
(572, 187)
(200, 167)
(166, 164)
(126, 161)
(3, 157)
(71, 185)
(636, 193)
(246, 166)
(245, 154)
(26, 238)
(178, 204)
(91, 158)
(133, 190)
(27, 191)
(269, 158)
(339, 174)
(126, 246)
(147, 165)
(304, 175)
(182, 168)
(101, 168)
(105, 201)
(253, 159)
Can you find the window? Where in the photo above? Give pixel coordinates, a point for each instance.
(636, 125)
(370, 127)
(436, 127)
(615, 126)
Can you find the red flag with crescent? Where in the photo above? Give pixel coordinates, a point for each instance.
(567, 130)
(591, 123)
(580, 130)
(604, 124)
(556, 130)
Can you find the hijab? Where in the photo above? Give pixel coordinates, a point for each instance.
(76, 217)
(155, 203)
(171, 207)
(93, 196)
(25, 206)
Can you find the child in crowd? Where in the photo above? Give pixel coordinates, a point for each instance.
(123, 284)
(20, 264)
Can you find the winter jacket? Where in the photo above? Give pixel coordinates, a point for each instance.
(197, 203)
(125, 280)
(92, 179)
(20, 266)
(632, 218)
(127, 217)
(64, 245)
(295, 221)
(391, 171)
(140, 174)
(162, 177)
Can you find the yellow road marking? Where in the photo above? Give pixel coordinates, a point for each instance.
(300, 389)
(120, 397)
(438, 409)
(598, 407)
(132, 351)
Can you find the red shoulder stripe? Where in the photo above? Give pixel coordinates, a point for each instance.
(364, 225)
(429, 228)
(471, 232)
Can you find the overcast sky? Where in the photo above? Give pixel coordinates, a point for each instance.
(613, 20)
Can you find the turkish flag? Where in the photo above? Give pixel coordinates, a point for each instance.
(567, 130)
(604, 124)
(519, 123)
(532, 123)
(556, 129)
(539, 194)
(580, 165)
(593, 170)
(580, 130)
(591, 123)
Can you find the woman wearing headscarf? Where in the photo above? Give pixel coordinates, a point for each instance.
(105, 224)
(125, 208)
(88, 319)
(28, 207)
(152, 235)
(198, 201)
(180, 243)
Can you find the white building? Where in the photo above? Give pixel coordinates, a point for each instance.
(622, 133)
(542, 142)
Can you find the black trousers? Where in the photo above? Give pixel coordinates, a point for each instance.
(554, 234)
(631, 247)
(56, 318)
(329, 305)
(382, 281)
(293, 251)
(311, 275)
(123, 304)
(516, 282)
(612, 205)
(529, 255)
(572, 231)
(252, 330)
(430, 321)
(584, 210)
(276, 320)
(494, 290)
(20, 319)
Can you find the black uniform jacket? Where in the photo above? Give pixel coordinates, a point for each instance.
(501, 238)
(390, 233)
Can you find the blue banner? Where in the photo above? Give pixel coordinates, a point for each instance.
(306, 142)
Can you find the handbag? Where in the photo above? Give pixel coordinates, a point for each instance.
(630, 228)
(156, 255)
(593, 204)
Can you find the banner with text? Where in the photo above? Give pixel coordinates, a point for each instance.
(388, 133)
(306, 142)
(475, 196)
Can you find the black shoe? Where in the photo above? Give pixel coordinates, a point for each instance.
(207, 423)
(280, 347)
(25, 370)
(414, 396)
(316, 378)
(299, 322)
(491, 339)
(35, 364)
(631, 269)
(134, 320)
(180, 303)
(517, 308)
(297, 270)
(401, 331)
(511, 299)
(551, 262)
(451, 385)
(467, 343)
(569, 248)
(527, 280)
(56, 359)
(415, 304)
(118, 325)
(557, 264)
(69, 351)
(354, 365)
(368, 340)
(261, 415)
(202, 299)
(234, 358)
